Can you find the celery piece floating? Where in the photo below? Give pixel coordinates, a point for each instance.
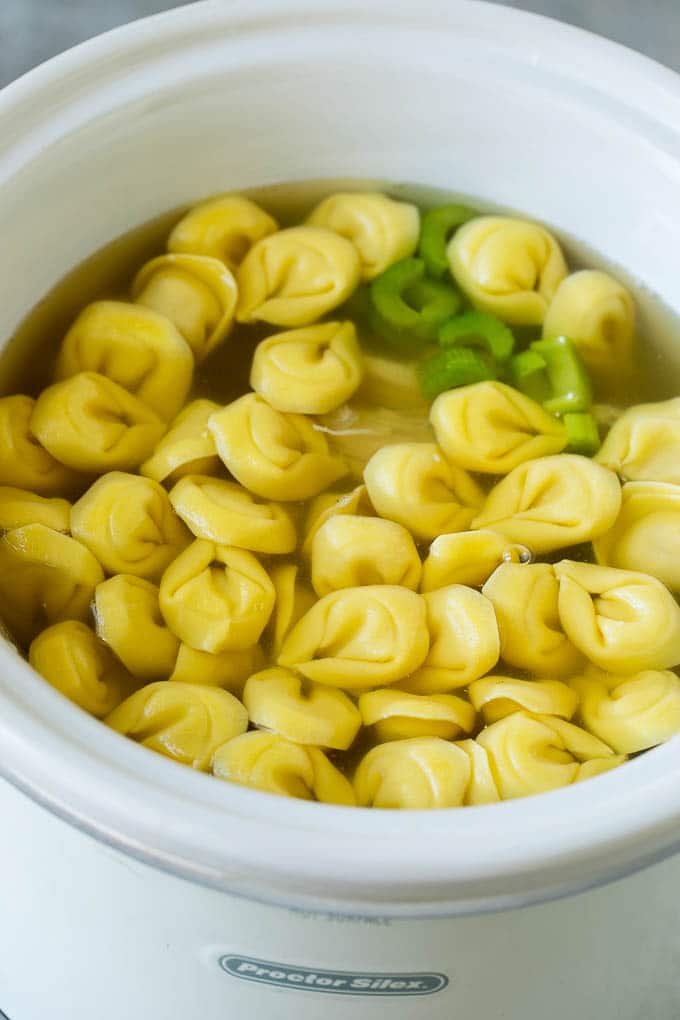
(408, 308)
(478, 329)
(584, 437)
(448, 369)
(438, 226)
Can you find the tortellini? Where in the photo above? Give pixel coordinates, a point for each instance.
(45, 577)
(19, 507)
(72, 659)
(359, 637)
(195, 292)
(398, 715)
(135, 347)
(92, 424)
(598, 315)
(128, 619)
(331, 504)
(275, 455)
(269, 762)
(129, 524)
(188, 447)
(278, 701)
(216, 598)
(498, 696)
(553, 502)
(224, 228)
(468, 557)
(491, 427)
(293, 599)
(646, 534)
(508, 267)
(631, 713)
(464, 640)
(351, 550)
(643, 445)
(308, 371)
(421, 772)
(621, 620)
(414, 485)
(24, 463)
(525, 600)
(229, 670)
(187, 722)
(295, 276)
(226, 513)
(482, 788)
(392, 384)
(382, 230)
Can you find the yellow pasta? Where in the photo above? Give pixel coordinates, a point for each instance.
(72, 659)
(525, 600)
(92, 424)
(490, 427)
(508, 267)
(226, 513)
(414, 485)
(195, 292)
(498, 696)
(382, 230)
(621, 620)
(464, 641)
(188, 447)
(468, 557)
(598, 315)
(582, 745)
(643, 445)
(187, 722)
(269, 762)
(631, 713)
(527, 756)
(308, 371)
(553, 502)
(133, 346)
(482, 787)
(646, 534)
(392, 384)
(278, 701)
(45, 577)
(275, 455)
(293, 599)
(597, 766)
(359, 637)
(295, 276)
(129, 621)
(331, 504)
(216, 598)
(24, 463)
(19, 507)
(397, 715)
(350, 550)
(224, 228)
(423, 772)
(229, 670)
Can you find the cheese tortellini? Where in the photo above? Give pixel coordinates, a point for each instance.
(508, 267)
(331, 504)
(468, 557)
(223, 228)
(187, 448)
(187, 722)
(498, 696)
(382, 230)
(553, 502)
(398, 715)
(646, 534)
(19, 507)
(275, 455)
(129, 621)
(294, 598)
(229, 670)
(490, 427)
(414, 485)
(196, 293)
(129, 524)
(295, 276)
(598, 315)
(359, 637)
(643, 445)
(278, 701)
(350, 550)
(525, 600)
(421, 772)
(72, 659)
(621, 620)
(269, 762)
(308, 371)
(216, 598)
(228, 514)
(631, 713)
(135, 347)
(24, 463)
(482, 788)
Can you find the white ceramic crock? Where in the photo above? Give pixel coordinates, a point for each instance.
(492, 103)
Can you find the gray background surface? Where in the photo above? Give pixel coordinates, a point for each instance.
(33, 30)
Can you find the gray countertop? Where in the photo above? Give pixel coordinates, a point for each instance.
(33, 30)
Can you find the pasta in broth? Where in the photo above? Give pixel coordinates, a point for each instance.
(337, 497)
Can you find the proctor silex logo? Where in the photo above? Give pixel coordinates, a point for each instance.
(336, 982)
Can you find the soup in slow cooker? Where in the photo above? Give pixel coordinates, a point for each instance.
(347, 500)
